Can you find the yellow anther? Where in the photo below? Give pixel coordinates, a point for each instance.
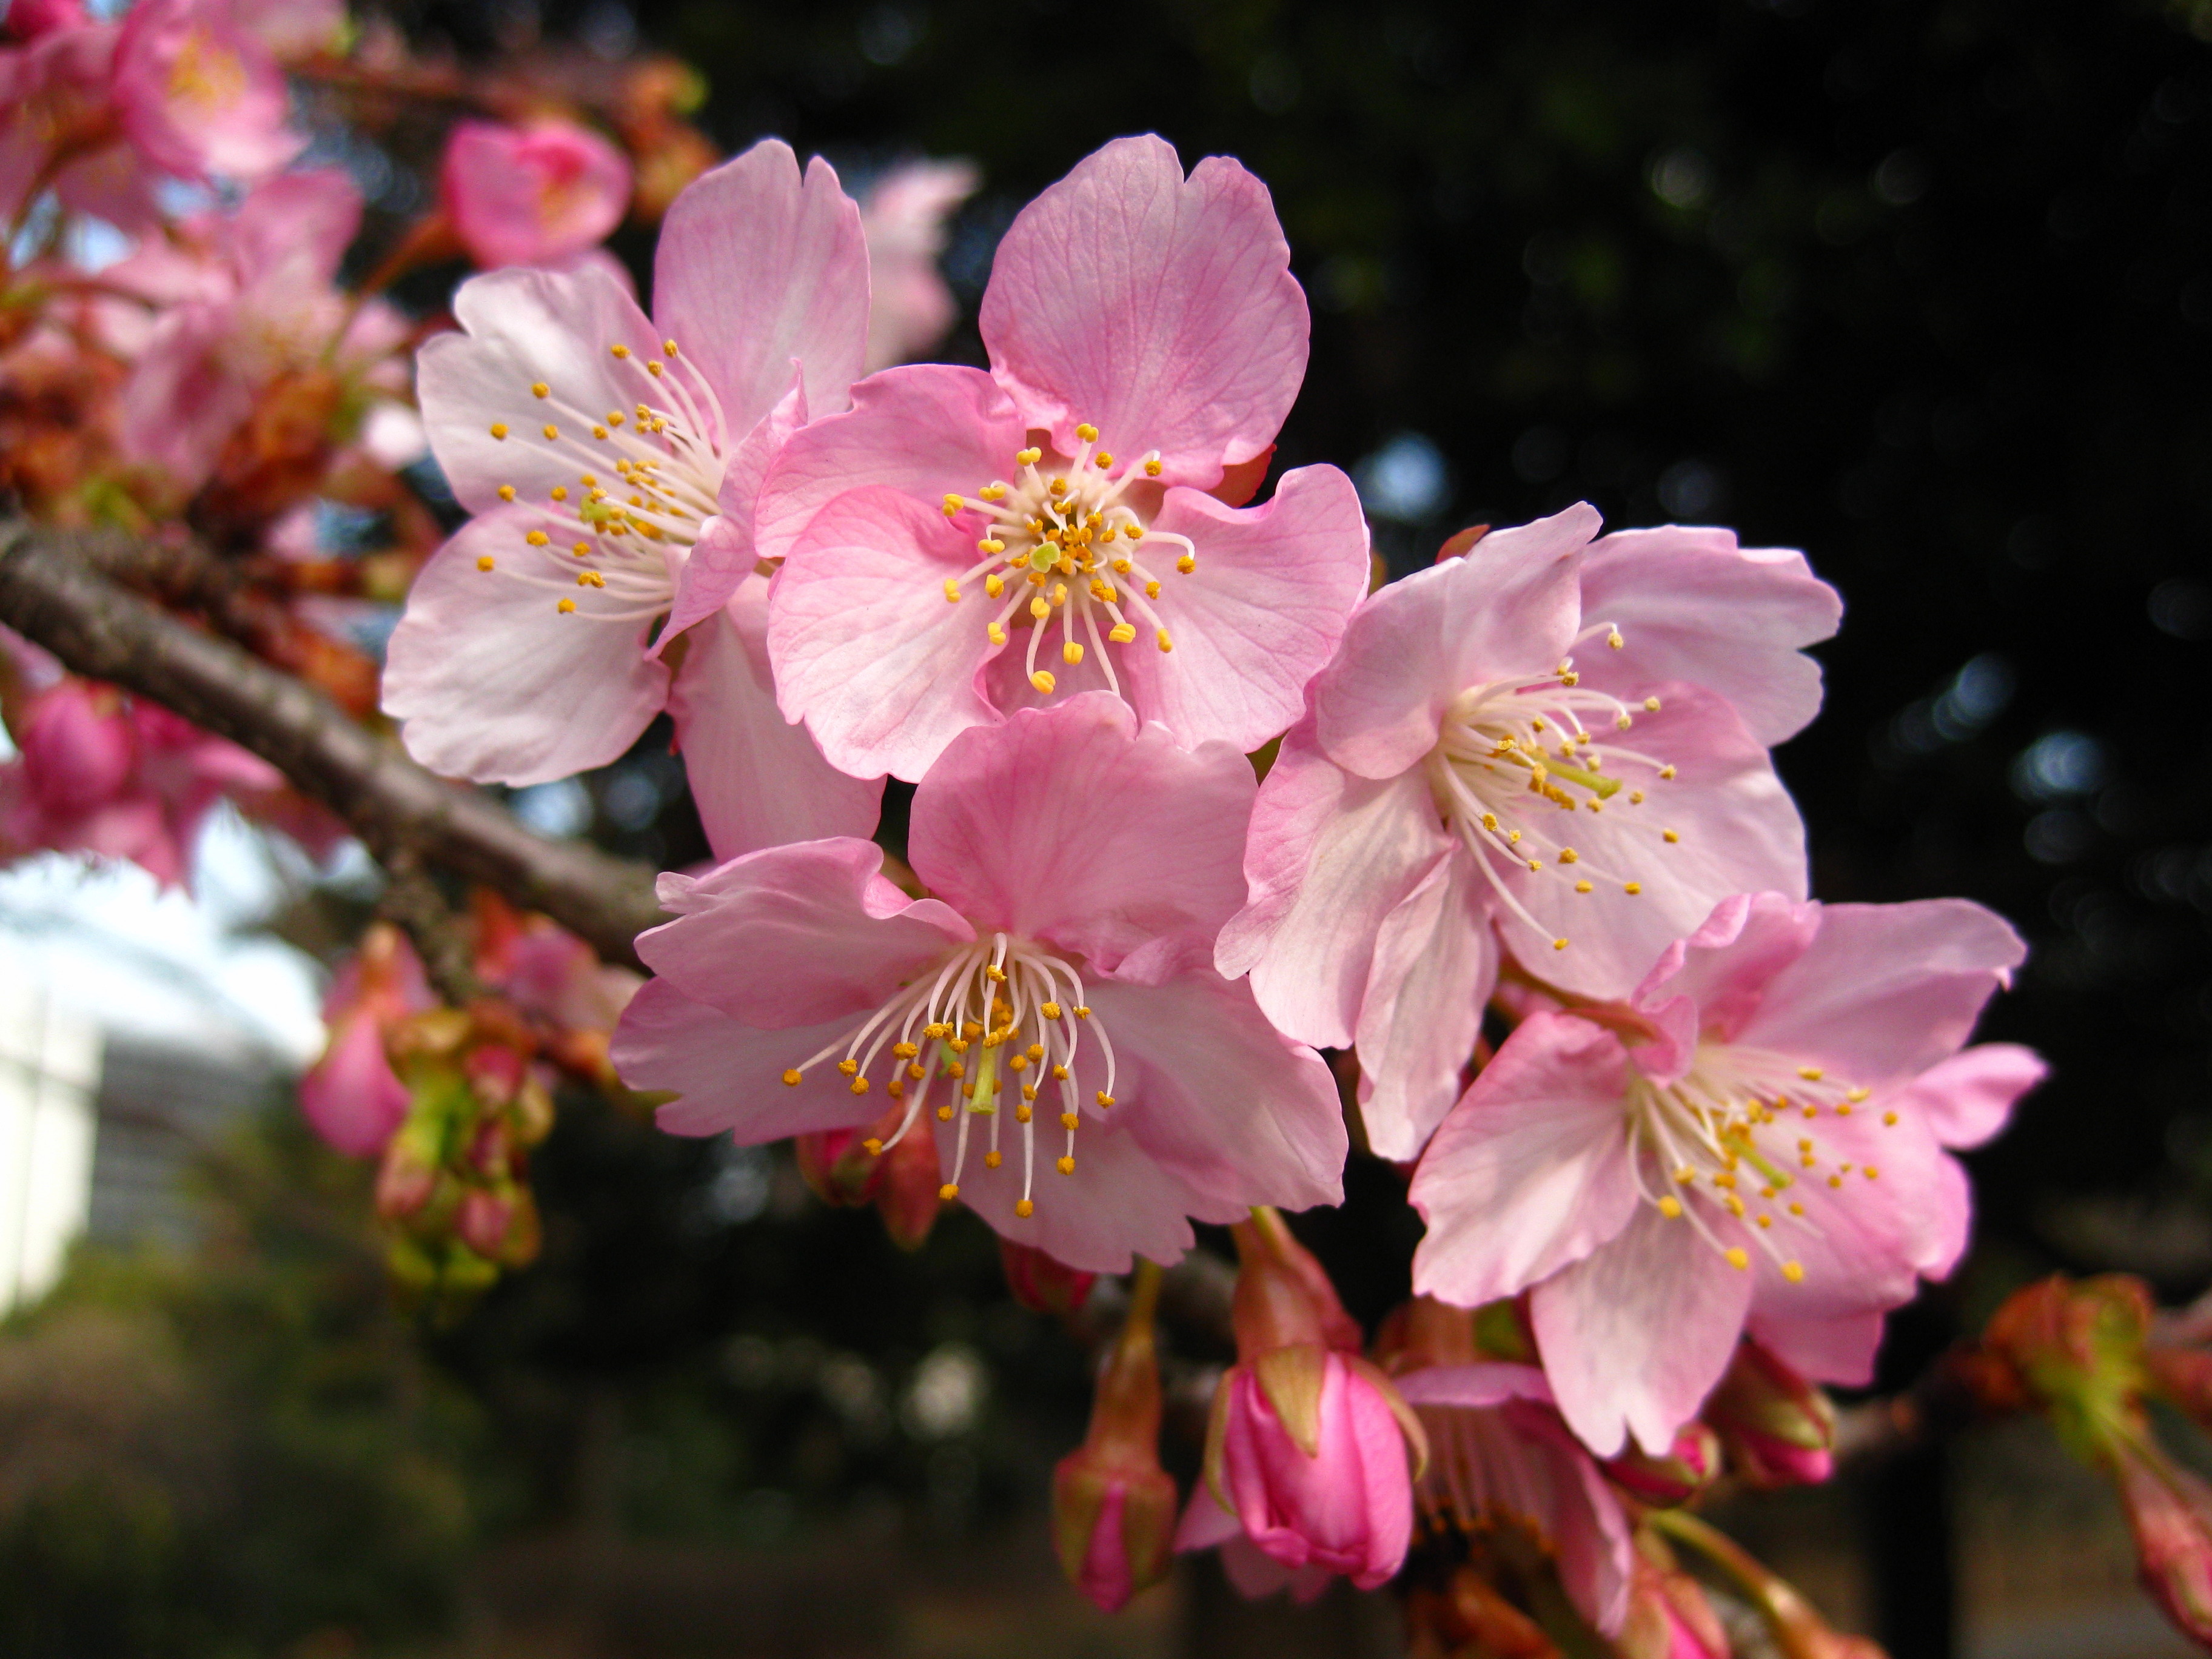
(1065, 1165)
(653, 369)
(1636, 798)
(1071, 653)
(875, 1147)
(1810, 1073)
(944, 1113)
(1025, 1208)
(1050, 1010)
(614, 417)
(588, 480)
(1856, 1094)
(1165, 643)
(536, 538)
(1613, 639)
(1122, 633)
(598, 432)
(1120, 567)
(1670, 1206)
(1152, 468)
(994, 633)
(952, 591)
(992, 1158)
(1029, 1092)
(1028, 457)
(1651, 705)
(1667, 772)
(1668, 836)
(952, 505)
(993, 492)
(1622, 722)
(590, 579)
(1043, 682)
(1102, 460)
(565, 606)
(1082, 1012)
(1631, 888)
(948, 1192)
(1558, 944)
(668, 348)
(1186, 564)
(1889, 1119)
(1087, 432)
(995, 584)
(969, 1028)
(1070, 1121)
(1060, 590)
(560, 492)
(848, 1065)
(1795, 1208)
(1582, 887)
(1738, 1257)
(507, 492)
(859, 1086)
(1870, 1172)
(619, 351)
(895, 1088)
(1017, 1062)
(1835, 1181)
(539, 389)
(1040, 607)
(499, 429)
(483, 562)
(1135, 532)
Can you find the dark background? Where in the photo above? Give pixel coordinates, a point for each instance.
(1922, 290)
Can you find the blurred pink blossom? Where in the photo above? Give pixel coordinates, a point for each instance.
(904, 219)
(532, 195)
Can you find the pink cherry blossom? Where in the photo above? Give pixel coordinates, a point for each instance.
(1079, 868)
(903, 216)
(962, 544)
(249, 298)
(1754, 1139)
(1455, 790)
(352, 1096)
(199, 95)
(1498, 1454)
(57, 126)
(117, 780)
(612, 461)
(533, 195)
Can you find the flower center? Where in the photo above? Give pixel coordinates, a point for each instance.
(1514, 762)
(1065, 546)
(206, 74)
(647, 481)
(999, 1021)
(1735, 1132)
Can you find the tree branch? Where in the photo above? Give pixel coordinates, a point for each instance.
(50, 594)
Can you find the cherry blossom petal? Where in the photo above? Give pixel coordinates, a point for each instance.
(866, 649)
(1531, 1172)
(1160, 309)
(1840, 1350)
(1738, 831)
(728, 1076)
(757, 779)
(523, 327)
(491, 680)
(1273, 590)
(1508, 608)
(927, 430)
(1694, 606)
(1435, 962)
(797, 935)
(1485, 1383)
(1243, 1115)
(1073, 825)
(756, 268)
(1635, 1335)
(1885, 991)
(1330, 854)
(1725, 967)
(1968, 1098)
(1874, 1211)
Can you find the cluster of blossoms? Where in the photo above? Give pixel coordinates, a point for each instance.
(1189, 805)
(1188, 800)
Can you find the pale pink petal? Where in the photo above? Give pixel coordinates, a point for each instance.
(183, 401)
(1267, 604)
(1211, 1091)
(351, 1097)
(1205, 1524)
(1737, 832)
(1725, 967)
(1864, 1237)
(1967, 1099)
(491, 680)
(927, 430)
(522, 328)
(196, 95)
(1887, 990)
(1635, 1335)
(1120, 1203)
(1507, 610)
(757, 267)
(728, 1076)
(797, 935)
(1330, 854)
(1532, 1170)
(1840, 1350)
(905, 219)
(1161, 310)
(726, 555)
(757, 779)
(1485, 1383)
(1073, 825)
(1436, 960)
(866, 651)
(1693, 605)
(301, 222)
(532, 195)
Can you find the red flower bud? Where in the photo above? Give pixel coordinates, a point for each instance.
(1688, 1468)
(2170, 1512)
(1040, 1283)
(1113, 1506)
(1779, 1430)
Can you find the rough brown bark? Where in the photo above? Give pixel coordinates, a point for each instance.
(52, 591)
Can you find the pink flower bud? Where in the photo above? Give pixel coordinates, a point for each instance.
(409, 1176)
(1688, 1468)
(495, 1073)
(1113, 1506)
(532, 195)
(1668, 1618)
(487, 1214)
(352, 1096)
(29, 19)
(2170, 1512)
(1779, 1430)
(1041, 1284)
(78, 754)
(839, 1169)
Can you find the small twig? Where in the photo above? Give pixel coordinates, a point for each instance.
(406, 816)
(412, 902)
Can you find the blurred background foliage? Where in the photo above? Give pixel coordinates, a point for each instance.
(1924, 289)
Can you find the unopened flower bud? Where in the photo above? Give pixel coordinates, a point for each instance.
(495, 1073)
(1778, 1429)
(352, 1096)
(485, 1215)
(409, 1175)
(1041, 1283)
(2076, 1349)
(2170, 1512)
(837, 1166)
(1113, 1506)
(1669, 1617)
(1686, 1469)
